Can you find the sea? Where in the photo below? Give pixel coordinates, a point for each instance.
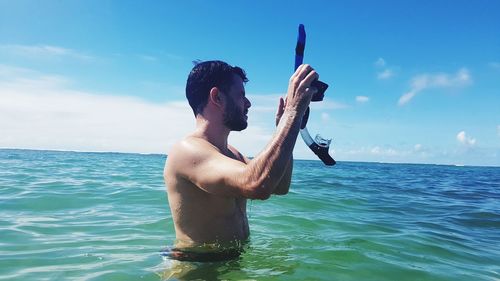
(105, 216)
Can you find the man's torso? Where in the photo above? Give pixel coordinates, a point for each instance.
(203, 218)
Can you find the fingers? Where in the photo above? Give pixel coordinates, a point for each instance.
(311, 91)
(300, 76)
(304, 71)
(300, 91)
(311, 76)
(301, 72)
(281, 109)
(305, 85)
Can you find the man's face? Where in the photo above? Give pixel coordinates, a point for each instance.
(236, 106)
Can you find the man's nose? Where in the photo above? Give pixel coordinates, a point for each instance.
(248, 103)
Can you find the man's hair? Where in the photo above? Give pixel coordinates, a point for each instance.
(206, 75)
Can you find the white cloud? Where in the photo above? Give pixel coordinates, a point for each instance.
(43, 52)
(252, 140)
(494, 65)
(386, 74)
(362, 99)
(406, 98)
(41, 111)
(58, 118)
(419, 153)
(465, 140)
(376, 150)
(325, 117)
(269, 103)
(441, 80)
(171, 56)
(380, 62)
(327, 104)
(148, 58)
(264, 103)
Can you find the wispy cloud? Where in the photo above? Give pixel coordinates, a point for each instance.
(43, 111)
(171, 56)
(264, 103)
(269, 103)
(384, 72)
(380, 62)
(24, 78)
(148, 58)
(423, 82)
(325, 117)
(377, 150)
(494, 65)
(328, 104)
(421, 150)
(362, 99)
(44, 52)
(417, 147)
(417, 153)
(159, 56)
(463, 139)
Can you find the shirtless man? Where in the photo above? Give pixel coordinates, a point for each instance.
(209, 181)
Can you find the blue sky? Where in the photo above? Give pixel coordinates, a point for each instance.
(411, 81)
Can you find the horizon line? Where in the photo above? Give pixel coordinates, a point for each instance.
(166, 155)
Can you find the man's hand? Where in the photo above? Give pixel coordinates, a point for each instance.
(281, 109)
(300, 91)
(284, 184)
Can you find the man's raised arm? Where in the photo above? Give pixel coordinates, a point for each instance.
(258, 179)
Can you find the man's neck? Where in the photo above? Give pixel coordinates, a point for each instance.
(212, 132)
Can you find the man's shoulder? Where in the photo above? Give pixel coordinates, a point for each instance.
(188, 155)
(190, 149)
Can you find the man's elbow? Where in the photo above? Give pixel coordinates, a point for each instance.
(259, 192)
(263, 192)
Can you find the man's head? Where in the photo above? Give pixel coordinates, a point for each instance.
(228, 81)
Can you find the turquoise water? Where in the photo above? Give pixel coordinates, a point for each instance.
(104, 216)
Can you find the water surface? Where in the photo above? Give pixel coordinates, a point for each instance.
(104, 216)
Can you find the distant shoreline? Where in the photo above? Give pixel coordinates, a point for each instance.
(165, 155)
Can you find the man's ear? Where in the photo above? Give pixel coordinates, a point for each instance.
(215, 96)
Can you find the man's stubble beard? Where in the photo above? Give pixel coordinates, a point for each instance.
(233, 118)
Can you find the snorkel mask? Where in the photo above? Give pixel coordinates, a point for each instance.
(318, 145)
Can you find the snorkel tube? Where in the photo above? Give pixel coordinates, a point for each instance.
(318, 145)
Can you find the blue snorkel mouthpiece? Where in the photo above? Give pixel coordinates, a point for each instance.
(319, 145)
